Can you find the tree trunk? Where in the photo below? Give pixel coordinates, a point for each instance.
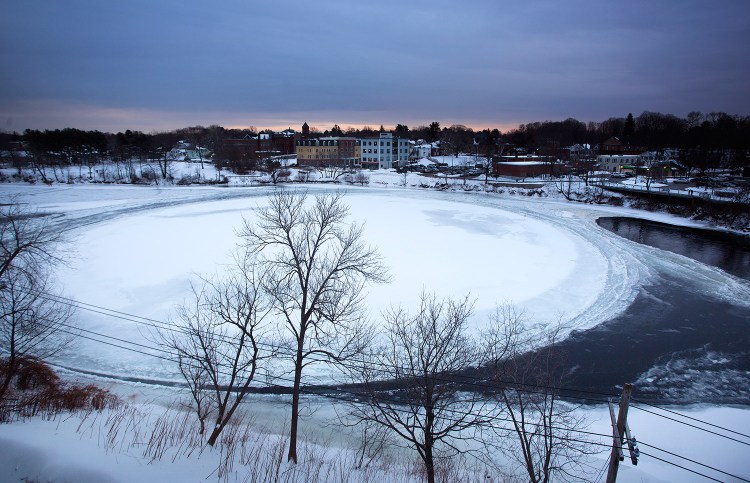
(295, 403)
(41, 170)
(218, 424)
(429, 442)
(225, 417)
(6, 383)
(429, 462)
(11, 370)
(215, 434)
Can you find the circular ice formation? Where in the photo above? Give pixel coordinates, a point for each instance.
(142, 264)
(492, 254)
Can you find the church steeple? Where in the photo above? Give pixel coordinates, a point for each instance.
(305, 130)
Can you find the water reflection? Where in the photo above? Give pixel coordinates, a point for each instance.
(728, 251)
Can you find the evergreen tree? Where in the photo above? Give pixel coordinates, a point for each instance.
(629, 129)
(434, 131)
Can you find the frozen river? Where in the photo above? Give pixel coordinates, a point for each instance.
(671, 324)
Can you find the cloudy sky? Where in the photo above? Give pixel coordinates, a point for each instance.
(163, 64)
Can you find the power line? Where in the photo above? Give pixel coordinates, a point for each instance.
(114, 345)
(693, 426)
(306, 389)
(680, 466)
(692, 418)
(173, 327)
(692, 461)
(568, 439)
(471, 379)
(600, 473)
(464, 379)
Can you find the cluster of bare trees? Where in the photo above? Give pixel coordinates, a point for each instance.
(420, 386)
(33, 324)
(296, 291)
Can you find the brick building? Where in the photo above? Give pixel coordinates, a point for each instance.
(529, 166)
(328, 151)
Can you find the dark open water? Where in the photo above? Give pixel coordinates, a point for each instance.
(675, 343)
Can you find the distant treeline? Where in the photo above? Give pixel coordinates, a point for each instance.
(701, 138)
(651, 130)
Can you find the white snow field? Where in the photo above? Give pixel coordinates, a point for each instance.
(81, 449)
(137, 248)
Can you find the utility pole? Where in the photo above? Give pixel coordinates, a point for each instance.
(620, 431)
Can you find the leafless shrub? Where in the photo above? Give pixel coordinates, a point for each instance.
(362, 178)
(31, 373)
(38, 391)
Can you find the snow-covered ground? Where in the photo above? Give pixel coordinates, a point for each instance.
(114, 447)
(137, 248)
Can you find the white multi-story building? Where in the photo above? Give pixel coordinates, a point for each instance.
(384, 152)
(614, 163)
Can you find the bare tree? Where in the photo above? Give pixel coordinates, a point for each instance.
(421, 400)
(27, 243)
(275, 170)
(362, 178)
(565, 187)
(334, 170)
(217, 342)
(33, 322)
(318, 265)
(165, 162)
(543, 434)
